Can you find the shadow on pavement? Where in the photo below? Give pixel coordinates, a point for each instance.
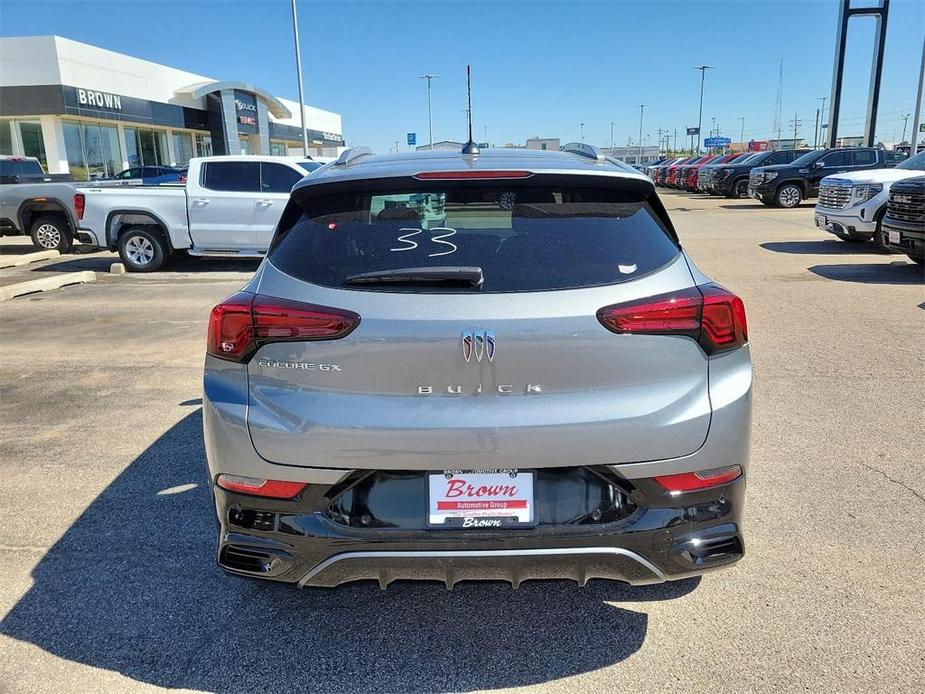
(178, 263)
(822, 247)
(132, 587)
(898, 272)
(758, 206)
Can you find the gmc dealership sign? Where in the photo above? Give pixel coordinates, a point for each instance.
(89, 97)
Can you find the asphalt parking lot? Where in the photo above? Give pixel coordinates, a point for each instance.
(107, 575)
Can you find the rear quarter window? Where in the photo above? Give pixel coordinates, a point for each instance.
(523, 238)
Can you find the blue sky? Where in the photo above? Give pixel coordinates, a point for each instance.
(539, 68)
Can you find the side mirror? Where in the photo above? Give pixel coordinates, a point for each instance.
(819, 165)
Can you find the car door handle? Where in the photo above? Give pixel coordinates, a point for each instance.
(201, 201)
(265, 203)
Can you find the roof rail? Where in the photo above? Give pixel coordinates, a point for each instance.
(584, 150)
(349, 155)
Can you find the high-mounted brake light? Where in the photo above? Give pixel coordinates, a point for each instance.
(473, 174)
(244, 322)
(272, 489)
(79, 205)
(695, 481)
(709, 314)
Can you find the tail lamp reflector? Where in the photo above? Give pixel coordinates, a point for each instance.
(710, 314)
(272, 489)
(704, 479)
(244, 322)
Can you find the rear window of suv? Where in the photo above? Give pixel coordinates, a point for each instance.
(523, 238)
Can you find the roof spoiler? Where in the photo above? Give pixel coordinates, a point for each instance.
(584, 150)
(348, 156)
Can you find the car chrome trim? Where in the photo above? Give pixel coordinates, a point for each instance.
(488, 553)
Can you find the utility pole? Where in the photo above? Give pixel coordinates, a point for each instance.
(796, 123)
(430, 116)
(675, 140)
(642, 108)
(298, 71)
(742, 135)
(917, 118)
(660, 140)
(703, 71)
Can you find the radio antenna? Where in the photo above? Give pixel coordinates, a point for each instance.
(470, 146)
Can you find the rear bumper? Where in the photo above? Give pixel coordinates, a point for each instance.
(672, 538)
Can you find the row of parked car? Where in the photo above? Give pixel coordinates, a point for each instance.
(865, 193)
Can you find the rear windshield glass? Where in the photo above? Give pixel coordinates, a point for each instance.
(21, 167)
(523, 239)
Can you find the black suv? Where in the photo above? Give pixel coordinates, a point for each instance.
(788, 185)
(731, 179)
(904, 223)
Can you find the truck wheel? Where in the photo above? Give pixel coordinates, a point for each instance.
(141, 250)
(740, 189)
(789, 196)
(51, 234)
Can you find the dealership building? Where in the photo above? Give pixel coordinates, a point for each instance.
(92, 113)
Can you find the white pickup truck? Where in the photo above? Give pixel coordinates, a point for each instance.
(228, 207)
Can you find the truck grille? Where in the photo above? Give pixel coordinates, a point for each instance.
(834, 197)
(907, 202)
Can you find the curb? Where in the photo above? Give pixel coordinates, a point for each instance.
(15, 261)
(46, 283)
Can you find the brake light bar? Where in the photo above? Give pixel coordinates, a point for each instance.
(272, 489)
(471, 174)
(713, 316)
(696, 481)
(244, 322)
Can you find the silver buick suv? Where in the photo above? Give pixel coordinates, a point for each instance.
(492, 366)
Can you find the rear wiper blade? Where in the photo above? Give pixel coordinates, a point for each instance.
(470, 276)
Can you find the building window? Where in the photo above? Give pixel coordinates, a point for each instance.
(33, 144)
(182, 148)
(6, 137)
(23, 138)
(92, 149)
(146, 147)
(203, 145)
(278, 149)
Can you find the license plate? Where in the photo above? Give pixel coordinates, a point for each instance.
(895, 237)
(480, 499)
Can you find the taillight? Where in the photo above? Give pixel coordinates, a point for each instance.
(273, 489)
(244, 322)
(710, 314)
(79, 202)
(695, 481)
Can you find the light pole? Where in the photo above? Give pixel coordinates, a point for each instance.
(298, 70)
(581, 132)
(611, 138)
(642, 108)
(703, 71)
(905, 118)
(430, 116)
(742, 135)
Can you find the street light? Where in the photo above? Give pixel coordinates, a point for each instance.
(430, 117)
(611, 138)
(581, 132)
(639, 150)
(905, 118)
(298, 69)
(703, 71)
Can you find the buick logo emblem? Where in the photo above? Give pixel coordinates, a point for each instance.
(479, 344)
